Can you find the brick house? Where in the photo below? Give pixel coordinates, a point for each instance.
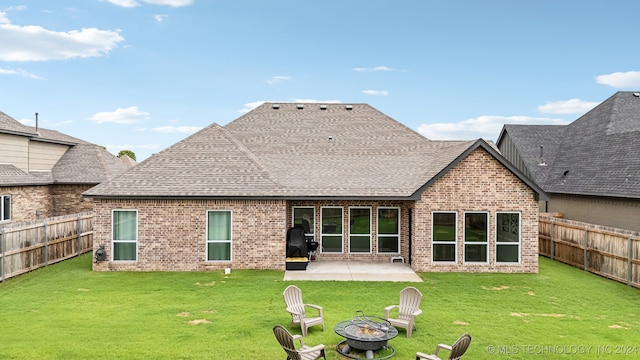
(43, 173)
(367, 187)
(589, 168)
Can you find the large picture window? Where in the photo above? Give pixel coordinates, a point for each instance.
(388, 230)
(219, 235)
(5, 207)
(125, 235)
(475, 237)
(444, 236)
(305, 217)
(508, 237)
(331, 229)
(359, 230)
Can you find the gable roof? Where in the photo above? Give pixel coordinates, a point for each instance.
(294, 150)
(82, 163)
(594, 155)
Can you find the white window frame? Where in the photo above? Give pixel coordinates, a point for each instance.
(519, 242)
(378, 235)
(486, 243)
(455, 238)
(312, 228)
(113, 241)
(230, 241)
(3, 211)
(363, 234)
(323, 234)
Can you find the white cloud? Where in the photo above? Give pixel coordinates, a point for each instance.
(130, 115)
(177, 129)
(486, 127)
(376, 68)
(277, 79)
(124, 3)
(571, 106)
(172, 3)
(35, 43)
(134, 3)
(629, 79)
(250, 106)
(19, 72)
(376, 92)
(161, 17)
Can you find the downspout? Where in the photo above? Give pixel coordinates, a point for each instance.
(410, 235)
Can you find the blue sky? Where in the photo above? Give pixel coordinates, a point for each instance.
(144, 74)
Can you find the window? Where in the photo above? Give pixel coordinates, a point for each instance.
(444, 236)
(388, 230)
(359, 230)
(475, 237)
(508, 237)
(125, 235)
(331, 221)
(219, 235)
(305, 217)
(5, 207)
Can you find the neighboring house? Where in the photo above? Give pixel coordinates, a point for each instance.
(44, 172)
(370, 188)
(589, 168)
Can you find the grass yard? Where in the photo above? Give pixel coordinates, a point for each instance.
(66, 311)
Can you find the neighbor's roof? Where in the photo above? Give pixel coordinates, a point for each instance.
(295, 151)
(82, 163)
(595, 155)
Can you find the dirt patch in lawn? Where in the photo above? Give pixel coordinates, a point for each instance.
(184, 314)
(495, 288)
(206, 284)
(199, 321)
(458, 322)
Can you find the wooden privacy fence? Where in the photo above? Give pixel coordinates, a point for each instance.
(30, 245)
(609, 252)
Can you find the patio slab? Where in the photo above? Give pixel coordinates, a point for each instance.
(354, 271)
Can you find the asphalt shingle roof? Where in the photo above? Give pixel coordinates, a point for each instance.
(293, 150)
(82, 163)
(595, 155)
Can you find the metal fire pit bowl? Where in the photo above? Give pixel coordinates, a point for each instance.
(366, 334)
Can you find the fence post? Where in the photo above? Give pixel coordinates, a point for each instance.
(78, 234)
(46, 243)
(2, 250)
(629, 263)
(551, 249)
(586, 243)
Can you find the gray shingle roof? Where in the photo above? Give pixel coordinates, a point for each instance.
(11, 126)
(83, 163)
(595, 155)
(294, 151)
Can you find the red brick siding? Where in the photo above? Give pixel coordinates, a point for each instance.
(26, 200)
(477, 183)
(172, 234)
(374, 205)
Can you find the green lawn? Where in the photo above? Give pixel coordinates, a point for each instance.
(66, 311)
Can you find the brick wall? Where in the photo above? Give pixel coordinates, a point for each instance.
(172, 234)
(26, 200)
(477, 183)
(374, 205)
(67, 199)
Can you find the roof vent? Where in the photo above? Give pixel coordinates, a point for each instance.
(636, 94)
(276, 106)
(323, 107)
(349, 107)
(300, 106)
(542, 162)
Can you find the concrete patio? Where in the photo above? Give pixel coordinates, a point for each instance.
(354, 271)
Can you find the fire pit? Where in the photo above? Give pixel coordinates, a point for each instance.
(366, 334)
